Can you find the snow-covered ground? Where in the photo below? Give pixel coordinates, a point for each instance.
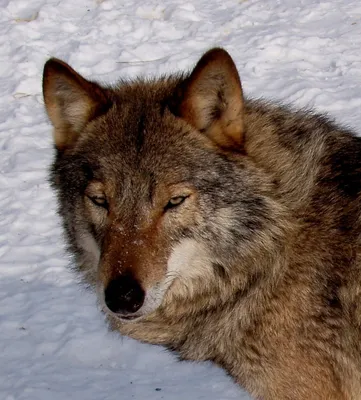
(53, 341)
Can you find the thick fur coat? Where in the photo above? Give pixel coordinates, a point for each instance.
(223, 228)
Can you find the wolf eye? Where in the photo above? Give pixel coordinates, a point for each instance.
(99, 201)
(175, 202)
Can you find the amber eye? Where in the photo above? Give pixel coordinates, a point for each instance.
(99, 201)
(175, 202)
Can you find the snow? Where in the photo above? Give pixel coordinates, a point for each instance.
(53, 341)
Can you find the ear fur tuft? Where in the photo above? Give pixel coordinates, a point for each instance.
(71, 101)
(211, 99)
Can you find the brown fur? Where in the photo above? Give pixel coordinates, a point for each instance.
(239, 219)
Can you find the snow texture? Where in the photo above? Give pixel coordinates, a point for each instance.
(53, 341)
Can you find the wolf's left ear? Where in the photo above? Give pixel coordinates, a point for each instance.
(211, 99)
(71, 101)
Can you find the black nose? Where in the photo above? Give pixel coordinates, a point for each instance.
(124, 295)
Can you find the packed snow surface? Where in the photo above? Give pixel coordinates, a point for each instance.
(53, 340)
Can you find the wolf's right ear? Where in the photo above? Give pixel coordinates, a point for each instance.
(71, 101)
(211, 100)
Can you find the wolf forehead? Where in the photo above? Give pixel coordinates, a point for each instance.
(138, 131)
(135, 118)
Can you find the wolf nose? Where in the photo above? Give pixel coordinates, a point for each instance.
(124, 295)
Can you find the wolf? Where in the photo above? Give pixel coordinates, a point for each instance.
(221, 227)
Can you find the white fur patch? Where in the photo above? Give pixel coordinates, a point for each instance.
(91, 249)
(189, 260)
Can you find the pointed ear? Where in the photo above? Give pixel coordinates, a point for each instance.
(211, 99)
(70, 101)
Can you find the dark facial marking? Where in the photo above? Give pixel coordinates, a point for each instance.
(140, 133)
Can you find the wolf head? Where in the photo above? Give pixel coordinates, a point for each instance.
(159, 198)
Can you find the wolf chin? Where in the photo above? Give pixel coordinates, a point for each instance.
(223, 228)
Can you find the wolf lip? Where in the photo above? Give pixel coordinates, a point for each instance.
(128, 317)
